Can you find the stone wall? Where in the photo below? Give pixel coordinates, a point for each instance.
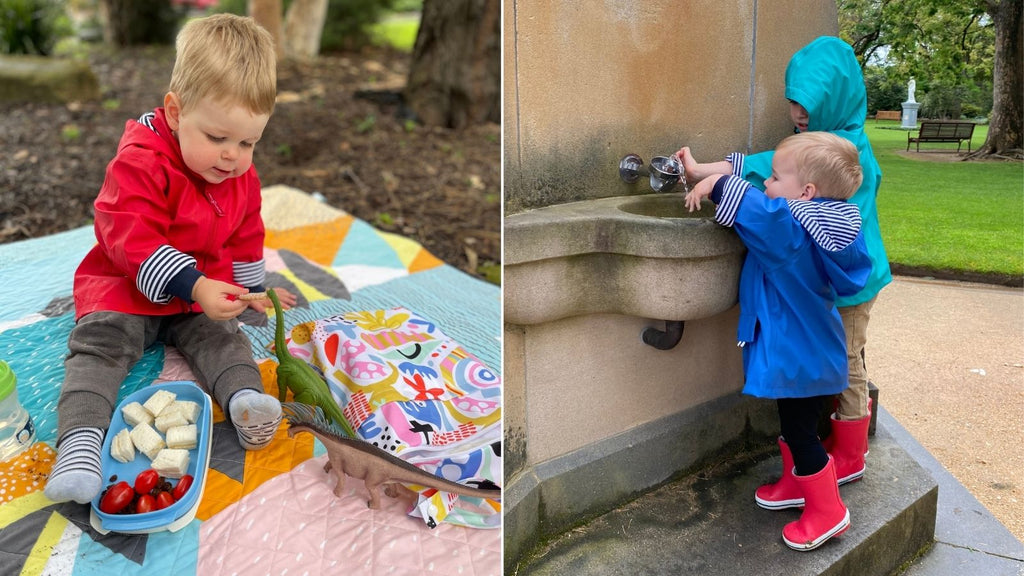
(588, 81)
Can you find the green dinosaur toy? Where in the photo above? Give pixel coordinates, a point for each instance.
(306, 385)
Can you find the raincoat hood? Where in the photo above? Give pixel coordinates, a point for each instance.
(834, 226)
(825, 78)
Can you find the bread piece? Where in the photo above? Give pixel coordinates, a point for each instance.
(252, 296)
(158, 401)
(171, 462)
(168, 419)
(122, 448)
(134, 414)
(147, 440)
(182, 437)
(190, 410)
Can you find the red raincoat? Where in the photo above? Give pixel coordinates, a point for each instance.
(153, 213)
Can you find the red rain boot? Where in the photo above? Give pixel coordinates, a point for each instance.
(785, 493)
(824, 514)
(829, 442)
(849, 447)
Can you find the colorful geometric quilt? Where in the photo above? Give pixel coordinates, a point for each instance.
(410, 389)
(271, 511)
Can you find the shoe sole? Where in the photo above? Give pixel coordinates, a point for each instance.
(851, 477)
(779, 504)
(834, 531)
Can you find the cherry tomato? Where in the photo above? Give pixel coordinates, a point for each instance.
(146, 481)
(145, 503)
(117, 498)
(182, 487)
(164, 499)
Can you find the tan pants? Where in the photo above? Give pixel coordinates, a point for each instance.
(853, 402)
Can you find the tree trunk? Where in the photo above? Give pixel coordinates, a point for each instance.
(134, 22)
(455, 75)
(303, 27)
(1006, 128)
(267, 13)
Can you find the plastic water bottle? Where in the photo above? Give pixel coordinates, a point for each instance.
(16, 430)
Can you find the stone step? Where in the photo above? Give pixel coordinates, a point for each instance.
(707, 523)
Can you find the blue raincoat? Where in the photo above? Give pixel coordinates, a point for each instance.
(825, 78)
(800, 255)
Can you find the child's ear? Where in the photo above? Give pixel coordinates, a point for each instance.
(810, 191)
(172, 110)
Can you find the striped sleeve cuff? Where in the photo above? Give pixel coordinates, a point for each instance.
(736, 159)
(250, 274)
(158, 270)
(729, 190)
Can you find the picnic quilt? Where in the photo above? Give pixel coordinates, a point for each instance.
(406, 342)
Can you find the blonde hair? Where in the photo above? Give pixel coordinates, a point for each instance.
(830, 162)
(228, 57)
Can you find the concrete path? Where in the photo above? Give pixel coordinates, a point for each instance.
(948, 359)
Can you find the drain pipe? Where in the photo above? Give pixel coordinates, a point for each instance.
(664, 340)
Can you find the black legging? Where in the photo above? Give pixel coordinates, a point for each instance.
(798, 418)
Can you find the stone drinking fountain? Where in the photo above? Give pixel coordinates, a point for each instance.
(596, 296)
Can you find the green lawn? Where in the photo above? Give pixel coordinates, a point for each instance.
(949, 216)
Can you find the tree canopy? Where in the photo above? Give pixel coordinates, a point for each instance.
(965, 56)
(947, 46)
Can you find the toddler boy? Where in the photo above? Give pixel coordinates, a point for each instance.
(180, 237)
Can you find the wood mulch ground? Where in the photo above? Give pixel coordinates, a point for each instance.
(437, 186)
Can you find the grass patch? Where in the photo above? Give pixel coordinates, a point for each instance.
(397, 31)
(949, 217)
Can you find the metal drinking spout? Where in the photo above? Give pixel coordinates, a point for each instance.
(663, 173)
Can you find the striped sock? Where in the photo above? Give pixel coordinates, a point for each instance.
(77, 474)
(256, 417)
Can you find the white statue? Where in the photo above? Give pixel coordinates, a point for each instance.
(911, 88)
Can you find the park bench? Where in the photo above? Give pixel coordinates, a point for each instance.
(943, 132)
(887, 115)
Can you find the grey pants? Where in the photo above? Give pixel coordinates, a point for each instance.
(103, 347)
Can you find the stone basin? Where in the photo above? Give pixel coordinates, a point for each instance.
(642, 256)
(664, 206)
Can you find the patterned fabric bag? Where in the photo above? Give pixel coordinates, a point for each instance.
(407, 388)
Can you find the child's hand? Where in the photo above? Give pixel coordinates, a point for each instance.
(217, 298)
(286, 298)
(690, 166)
(701, 191)
(696, 171)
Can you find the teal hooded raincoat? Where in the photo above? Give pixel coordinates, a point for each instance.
(825, 78)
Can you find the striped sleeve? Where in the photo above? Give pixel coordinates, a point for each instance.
(250, 274)
(736, 159)
(158, 270)
(732, 190)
